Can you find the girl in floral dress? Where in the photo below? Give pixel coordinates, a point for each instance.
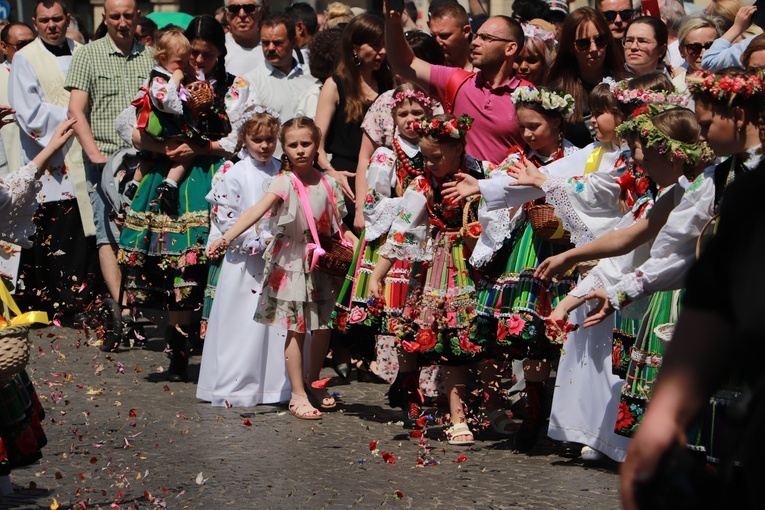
(512, 304)
(426, 232)
(389, 173)
(295, 296)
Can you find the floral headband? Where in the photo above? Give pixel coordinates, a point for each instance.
(548, 99)
(455, 128)
(725, 88)
(252, 110)
(690, 153)
(414, 96)
(543, 35)
(638, 97)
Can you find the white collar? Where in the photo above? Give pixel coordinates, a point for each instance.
(410, 149)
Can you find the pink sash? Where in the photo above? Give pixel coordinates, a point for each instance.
(315, 251)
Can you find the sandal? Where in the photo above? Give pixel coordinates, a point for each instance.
(457, 430)
(501, 423)
(300, 407)
(322, 398)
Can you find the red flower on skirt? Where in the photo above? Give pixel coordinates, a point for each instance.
(624, 419)
(616, 356)
(427, 339)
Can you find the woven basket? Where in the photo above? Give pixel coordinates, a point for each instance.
(470, 223)
(14, 350)
(544, 222)
(585, 267)
(202, 96)
(337, 259)
(664, 333)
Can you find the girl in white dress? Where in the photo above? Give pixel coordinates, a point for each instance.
(243, 361)
(302, 201)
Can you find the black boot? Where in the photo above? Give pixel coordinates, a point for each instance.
(527, 435)
(179, 355)
(405, 393)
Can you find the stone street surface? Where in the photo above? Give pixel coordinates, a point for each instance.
(120, 436)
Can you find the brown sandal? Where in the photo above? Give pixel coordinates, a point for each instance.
(300, 407)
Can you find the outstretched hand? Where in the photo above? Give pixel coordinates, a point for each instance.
(551, 267)
(465, 186)
(341, 176)
(601, 311)
(526, 174)
(217, 248)
(62, 134)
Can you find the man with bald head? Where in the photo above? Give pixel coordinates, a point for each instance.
(103, 79)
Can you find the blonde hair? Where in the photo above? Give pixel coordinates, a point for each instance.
(337, 13)
(256, 122)
(170, 40)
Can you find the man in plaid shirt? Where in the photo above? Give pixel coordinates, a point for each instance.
(103, 79)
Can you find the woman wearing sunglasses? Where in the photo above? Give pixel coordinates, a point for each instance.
(587, 54)
(695, 37)
(645, 45)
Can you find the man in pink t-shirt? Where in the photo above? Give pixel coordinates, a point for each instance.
(485, 96)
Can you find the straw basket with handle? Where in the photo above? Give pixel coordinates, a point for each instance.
(471, 227)
(201, 96)
(337, 256)
(544, 222)
(14, 334)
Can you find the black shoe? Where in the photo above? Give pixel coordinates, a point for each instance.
(133, 333)
(111, 319)
(365, 374)
(527, 435)
(343, 370)
(179, 356)
(570, 449)
(405, 389)
(169, 198)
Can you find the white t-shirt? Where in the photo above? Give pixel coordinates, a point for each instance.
(240, 61)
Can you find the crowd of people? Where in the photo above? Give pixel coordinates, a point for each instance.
(481, 204)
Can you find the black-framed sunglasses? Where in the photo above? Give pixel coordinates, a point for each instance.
(584, 43)
(696, 47)
(624, 14)
(20, 44)
(247, 8)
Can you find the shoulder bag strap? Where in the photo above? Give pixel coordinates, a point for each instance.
(314, 249)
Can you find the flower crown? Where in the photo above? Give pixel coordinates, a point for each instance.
(546, 37)
(725, 88)
(436, 128)
(637, 97)
(549, 100)
(416, 96)
(690, 153)
(258, 108)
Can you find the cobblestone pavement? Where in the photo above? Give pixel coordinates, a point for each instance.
(122, 437)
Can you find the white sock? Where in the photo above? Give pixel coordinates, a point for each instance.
(171, 182)
(134, 182)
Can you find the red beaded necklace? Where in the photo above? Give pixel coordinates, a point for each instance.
(403, 162)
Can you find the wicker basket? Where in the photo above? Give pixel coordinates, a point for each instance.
(14, 350)
(471, 227)
(544, 222)
(338, 257)
(664, 333)
(202, 96)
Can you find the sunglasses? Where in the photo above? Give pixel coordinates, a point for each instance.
(247, 8)
(20, 44)
(624, 14)
(584, 43)
(697, 47)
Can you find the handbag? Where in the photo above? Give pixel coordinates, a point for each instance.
(332, 255)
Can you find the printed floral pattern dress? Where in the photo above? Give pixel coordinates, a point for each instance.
(385, 175)
(293, 297)
(440, 303)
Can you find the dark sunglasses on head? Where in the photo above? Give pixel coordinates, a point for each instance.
(697, 47)
(624, 14)
(584, 43)
(248, 8)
